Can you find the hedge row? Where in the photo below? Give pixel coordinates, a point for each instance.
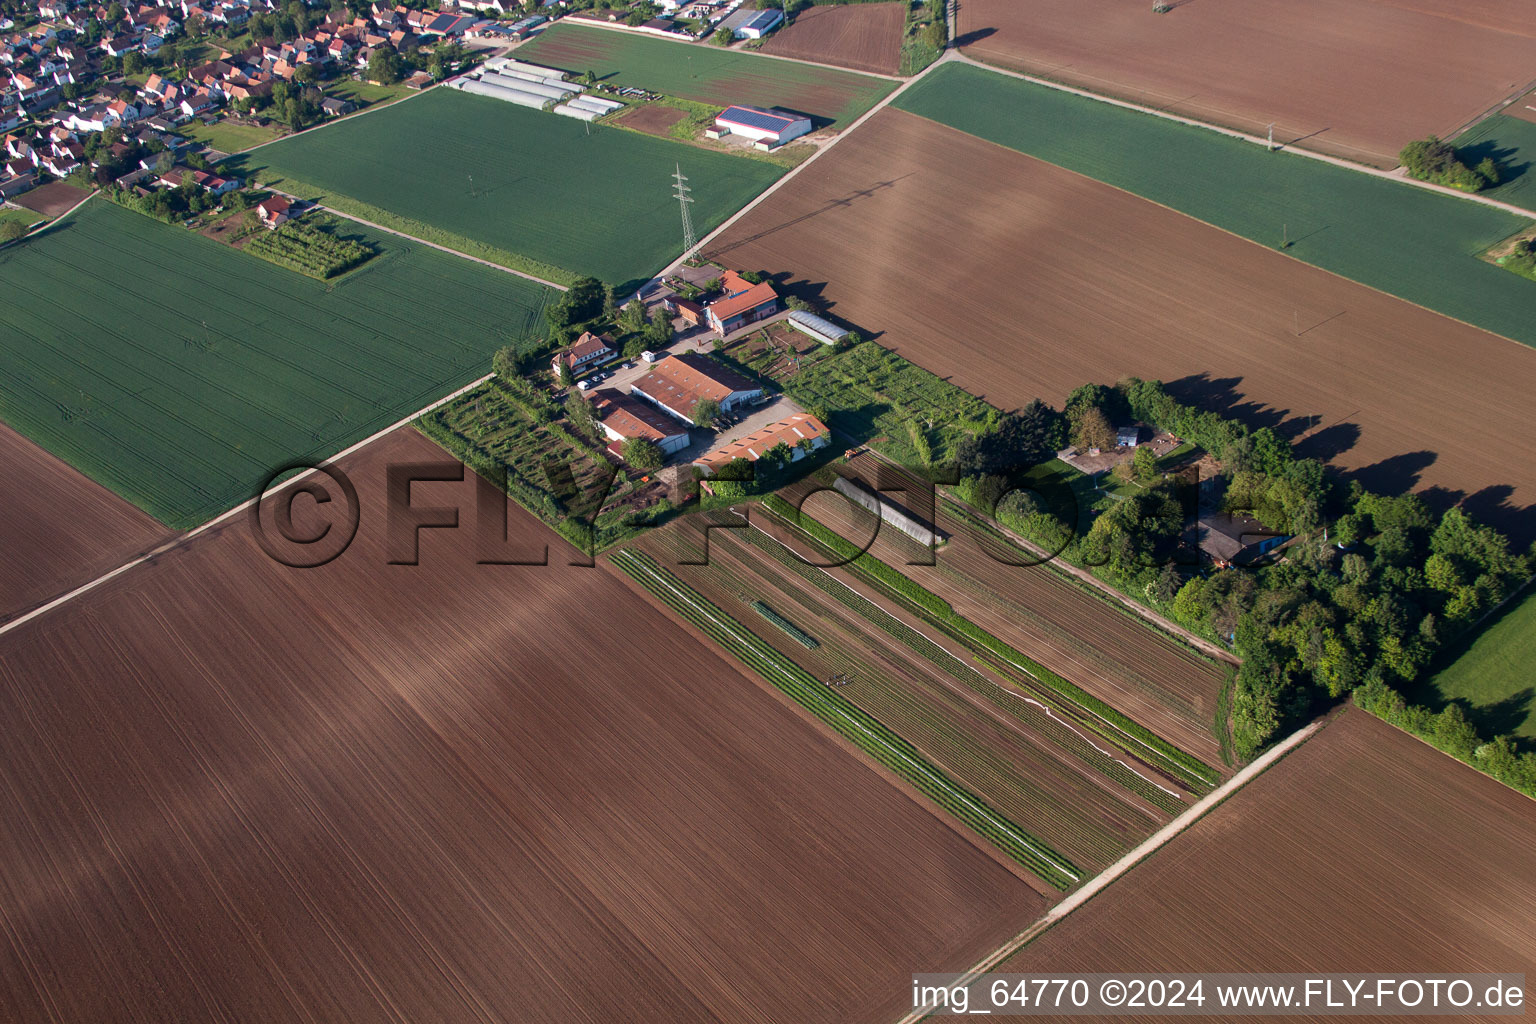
(805, 639)
(848, 720)
(1105, 720)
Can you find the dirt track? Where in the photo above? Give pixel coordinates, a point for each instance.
(1355, 78)
(60, 529)
(1365, 850)
(364, 792)
(1019, 279)
(864, 37)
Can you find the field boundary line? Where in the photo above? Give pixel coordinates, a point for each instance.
(226, 516)
(371, 108)
(1151, 617)
(315, 204)
(1159, 839)
(1397, 175)
(789, 176)
(627, 30)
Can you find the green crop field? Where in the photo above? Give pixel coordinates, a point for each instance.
(515, 183)
(1401, 239)
(181, 373)
(706, 73)
(1512, 142)
(1493, 674)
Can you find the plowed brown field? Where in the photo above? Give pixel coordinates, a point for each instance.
(1131, 667)
(1363, 851)
(372, 792)
(652, 118)
(1033, 768)
(1356, 78)
(865, 37)
(1018, 279)
(61, 530)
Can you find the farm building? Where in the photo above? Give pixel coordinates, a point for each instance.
(689, 310)
(624, 416)
(801, 432)
(767, 127)
(585, 352)
(273, 211)
(888, 511)
(743, 303)
(760, 24)
(1127, 437)
(820, 328)
(529, 85)
(1235, 539)
(679, 383)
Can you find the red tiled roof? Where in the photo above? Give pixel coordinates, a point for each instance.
(791, 431)
(681, 382)
(740, 296)
(631, 417)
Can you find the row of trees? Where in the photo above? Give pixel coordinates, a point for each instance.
(1374, 587)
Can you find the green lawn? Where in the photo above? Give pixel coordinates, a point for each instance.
(1416, 245)
(706, 73)
(19, 215)
(523, 182)
(1494, 674)
(367, 94)
(1512, 142)
(181, 373)
(228, 138)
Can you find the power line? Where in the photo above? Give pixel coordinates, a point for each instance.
(683, 199)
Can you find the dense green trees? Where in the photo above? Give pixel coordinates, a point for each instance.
(643, 454)
(1433, 160)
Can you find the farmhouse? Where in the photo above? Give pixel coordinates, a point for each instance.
(760, 24)
(273, 211)
(679, 383)
(587, 351)
(624, 416)
(802, 433)
(1236, 539)
(743, 303)
(765, 127)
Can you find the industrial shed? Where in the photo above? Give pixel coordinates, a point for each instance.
(820, 328)
(770, 127)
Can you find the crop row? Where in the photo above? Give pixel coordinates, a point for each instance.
(848, 720)
(1113, 725)
(309, 250)
(801, 636)
(1012, 704)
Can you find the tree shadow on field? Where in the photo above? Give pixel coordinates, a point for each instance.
(1329, 443)
(1397, 474)
(1222, 396)
(1504, 156)
(1491, 505)
(831, 204)
(975, 35)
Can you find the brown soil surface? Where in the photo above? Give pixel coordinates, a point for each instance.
(1000, 747)
(51, 199)
(1017, 279)
(449, 791)
(653, 118)
(1136, 670)
(61, 530)
(864, 37)
(1523, 108)
(1356, 78)
(1363, 851)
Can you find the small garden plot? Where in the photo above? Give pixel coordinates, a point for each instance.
(310, 248)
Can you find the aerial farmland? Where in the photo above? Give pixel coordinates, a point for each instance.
(780, 512)
(1346, 79)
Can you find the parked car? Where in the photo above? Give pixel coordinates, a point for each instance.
(584, 384)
